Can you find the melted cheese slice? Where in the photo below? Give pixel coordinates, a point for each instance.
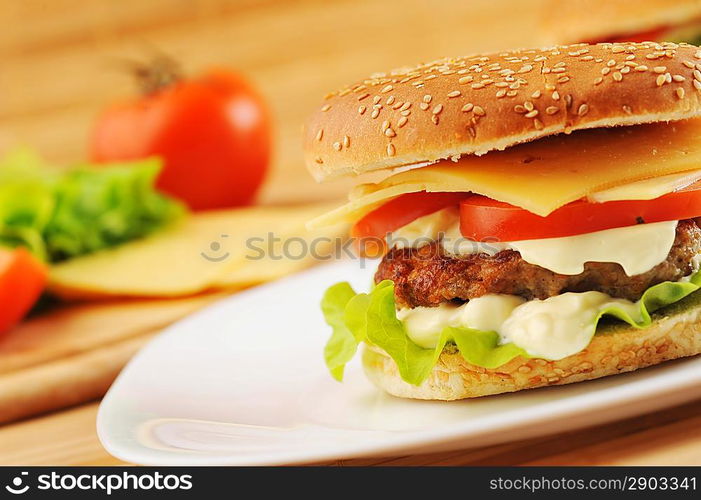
(544, 175)
(647, 189)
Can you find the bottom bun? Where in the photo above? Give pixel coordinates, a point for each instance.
(616, 348)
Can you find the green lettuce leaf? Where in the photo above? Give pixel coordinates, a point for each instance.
(342, 346)
(371, 318)
(63, 215)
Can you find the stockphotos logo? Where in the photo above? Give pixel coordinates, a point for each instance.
(105, 483)
(17, 486)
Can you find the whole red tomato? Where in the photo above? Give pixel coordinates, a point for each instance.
(212, 132)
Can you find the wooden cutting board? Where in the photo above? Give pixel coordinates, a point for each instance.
(72, 354)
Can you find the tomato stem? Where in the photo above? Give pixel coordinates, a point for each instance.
(161, 72)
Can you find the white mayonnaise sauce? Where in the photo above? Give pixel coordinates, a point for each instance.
(553, 328)
(636, 248)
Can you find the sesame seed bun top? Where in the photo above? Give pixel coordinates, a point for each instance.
(480, 103)
(578, 20)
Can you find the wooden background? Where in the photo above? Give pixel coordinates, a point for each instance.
(61, 63)
(62, 60)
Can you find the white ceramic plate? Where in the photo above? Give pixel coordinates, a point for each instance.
(244, 382)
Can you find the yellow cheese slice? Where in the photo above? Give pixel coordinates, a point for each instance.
(208, 250)
(647, 189)
(544, 175)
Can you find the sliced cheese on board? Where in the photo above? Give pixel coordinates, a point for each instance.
(544, 175)
(208, 250)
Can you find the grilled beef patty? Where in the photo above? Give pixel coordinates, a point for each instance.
(428, 276)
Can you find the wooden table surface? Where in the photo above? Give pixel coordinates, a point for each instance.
(61, 65)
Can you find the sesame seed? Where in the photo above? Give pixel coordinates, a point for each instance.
(532, 114)
(375, 113)
(391, 150)
(387, 88)
(605, 71)
(680, 93)
(389, 132)
(406, 112)
(320, 134)
(583, 109)
(697, 75)
(405, 106)
(551, 110)
(617, 76)
(538, 124)
(697, 55)
(528, 105)
(423, 105)
(668, 78)
(477, 85)
(688, 64)
(326, 107)
(616, 49)
(364, 96)
(337, 146)
(501, 93)
(520, 109)
(437, 109)
(402, 121)
(479, 111)
(525, 68)
(659, 69)
(467, 107)
(611, 63)
(376, 99)
(555, 96)
(536, 94)
(598, 81)
(678, 78)
(454, 93)
(434, 119)
(627, 109)
(512, 93)
(346, 141)
(697, 85)
(641, 68)
(465, 79)
(660, 80)
(625, 70)
(390, 100)
(427, 98)
(361, 110)
(385, 125)
(568, 100)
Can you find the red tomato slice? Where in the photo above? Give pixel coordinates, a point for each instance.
(371, 230)
(401, 211)
(485, 219)
(22, 279)
(482, 218)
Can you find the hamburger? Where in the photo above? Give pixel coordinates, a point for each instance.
(569, 21)
(537, 217)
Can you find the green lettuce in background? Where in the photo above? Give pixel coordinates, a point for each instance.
(63, 214)
(371, 317)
